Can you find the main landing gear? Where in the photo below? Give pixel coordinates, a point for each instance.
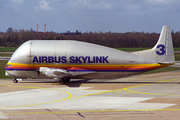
(15, 81)
(63, 81)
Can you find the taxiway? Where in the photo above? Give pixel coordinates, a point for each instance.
(148, 96)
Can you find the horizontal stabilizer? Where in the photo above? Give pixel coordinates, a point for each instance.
(166, 63)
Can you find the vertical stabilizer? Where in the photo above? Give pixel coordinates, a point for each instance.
(163, 51)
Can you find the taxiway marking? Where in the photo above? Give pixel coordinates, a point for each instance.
(137, 92)
(70, 96)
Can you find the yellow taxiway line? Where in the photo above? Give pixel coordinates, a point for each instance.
(70, 97)
(127, 89)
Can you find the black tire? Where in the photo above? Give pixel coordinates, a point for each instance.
(62, 82)
(67, 80)
(15, 81)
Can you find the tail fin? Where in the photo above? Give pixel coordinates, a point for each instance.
(163, 51)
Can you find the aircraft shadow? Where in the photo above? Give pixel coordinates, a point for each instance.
(70, 84)
(84, 81)
(77, 83)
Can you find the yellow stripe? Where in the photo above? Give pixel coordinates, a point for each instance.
(70, 95)
(127, 89)
(80, 65)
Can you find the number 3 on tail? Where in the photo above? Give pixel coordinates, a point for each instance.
(161, 50)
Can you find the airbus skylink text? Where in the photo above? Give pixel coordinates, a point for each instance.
(71, 59)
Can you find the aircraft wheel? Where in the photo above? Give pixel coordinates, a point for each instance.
(67, 80)
(62, 82)
(15, 81)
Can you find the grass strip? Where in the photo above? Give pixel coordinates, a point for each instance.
(7, 49)
(2, 69)
(12, 49)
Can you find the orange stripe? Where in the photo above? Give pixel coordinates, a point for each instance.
(90, 67)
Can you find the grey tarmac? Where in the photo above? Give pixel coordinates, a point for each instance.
(147, 96)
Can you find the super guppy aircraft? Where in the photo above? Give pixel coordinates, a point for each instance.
(69, 59)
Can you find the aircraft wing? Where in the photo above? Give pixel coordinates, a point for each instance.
(54, 72)
(74, 71)
(60, 73)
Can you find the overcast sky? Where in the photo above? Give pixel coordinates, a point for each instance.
(90, 15)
